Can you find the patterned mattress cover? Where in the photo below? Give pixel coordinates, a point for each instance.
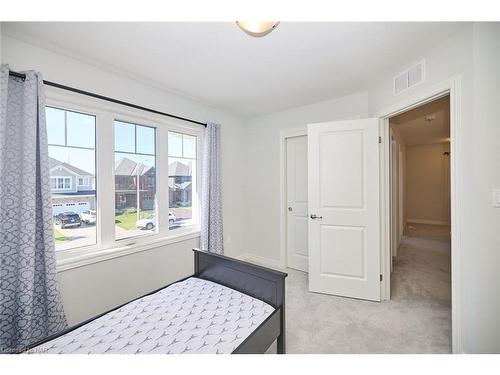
(191, 316)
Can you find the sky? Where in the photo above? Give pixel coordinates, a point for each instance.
(71, 137)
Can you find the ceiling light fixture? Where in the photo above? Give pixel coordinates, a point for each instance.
(257, 28)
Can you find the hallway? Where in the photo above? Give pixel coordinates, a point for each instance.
(422, 267)
(416, 320)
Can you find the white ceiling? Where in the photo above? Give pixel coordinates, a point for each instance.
(415, 130)
(297, 64)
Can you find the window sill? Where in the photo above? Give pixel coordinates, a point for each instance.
(85, 258)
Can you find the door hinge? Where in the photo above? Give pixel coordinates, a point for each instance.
(381, 277)
(379, 139)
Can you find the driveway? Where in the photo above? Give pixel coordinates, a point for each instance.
(86, 234)
(182, 213)
(76, 236)
(121, 233)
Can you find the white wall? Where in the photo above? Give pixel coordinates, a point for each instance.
(261, 192)
(94, 288)
(473, 54)
(1, 43)
(427, 184)
(481, 230)
(251, 194)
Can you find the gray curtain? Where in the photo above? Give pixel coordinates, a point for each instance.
(211, 201)
(30, 304)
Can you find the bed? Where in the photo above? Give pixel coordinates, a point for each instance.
(226, 306)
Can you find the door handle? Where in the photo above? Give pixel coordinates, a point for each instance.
(290, 209)
(316, 217)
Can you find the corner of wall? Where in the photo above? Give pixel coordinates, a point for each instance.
(261, 234)
(1, 55)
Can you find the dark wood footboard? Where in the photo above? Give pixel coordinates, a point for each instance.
(259, 282)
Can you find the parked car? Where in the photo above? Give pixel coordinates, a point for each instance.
(88, 216)
(68, 219)
(150, 222)
(147, 223)
(171, 218)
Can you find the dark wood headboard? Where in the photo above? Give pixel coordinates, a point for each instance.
(259, 282)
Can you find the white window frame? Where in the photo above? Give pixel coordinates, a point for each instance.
(195, 181)
(106, 113)
(85, 180)
(57, 178)
(157, 229)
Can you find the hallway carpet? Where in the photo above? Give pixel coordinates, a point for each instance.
(417, 319)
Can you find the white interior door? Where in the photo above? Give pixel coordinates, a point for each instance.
(296, 186)
(344, 221)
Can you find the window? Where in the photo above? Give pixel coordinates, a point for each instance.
(147, 154)
(83, 181)
(135, 180)
(60, 183)
(71, 137)
(181, 179)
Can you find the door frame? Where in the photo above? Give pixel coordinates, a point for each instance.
(393, 246)
(451, 87)
(284, 135)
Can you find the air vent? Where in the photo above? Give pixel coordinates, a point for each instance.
(409, 78)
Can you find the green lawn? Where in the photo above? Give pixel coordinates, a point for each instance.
(59, 236)
(127, 221)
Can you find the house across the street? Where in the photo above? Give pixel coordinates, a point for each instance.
(73, 189)
(180, 184)
(127, 174)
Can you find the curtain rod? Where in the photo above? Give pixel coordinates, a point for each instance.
(97, 96)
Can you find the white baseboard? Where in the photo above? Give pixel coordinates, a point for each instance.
(431, 222)
(262, 261)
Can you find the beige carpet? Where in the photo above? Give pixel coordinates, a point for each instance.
(416, 320)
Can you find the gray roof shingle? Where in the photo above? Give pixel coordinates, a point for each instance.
(127, 167)
(54, 163)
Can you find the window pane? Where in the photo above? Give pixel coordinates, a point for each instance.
(182, 180)
(145, 140)
(124, 137)
(135, 191)
(72, 228)
(80, 130)
(55, 126)
(189, 149)
(174, 144)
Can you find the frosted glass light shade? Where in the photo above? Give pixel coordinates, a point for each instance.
(257, 28)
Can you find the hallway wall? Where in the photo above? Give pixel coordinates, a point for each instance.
(427, 197)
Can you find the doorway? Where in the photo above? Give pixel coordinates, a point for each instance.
(375, 147)
(297, 203)
(420, 213)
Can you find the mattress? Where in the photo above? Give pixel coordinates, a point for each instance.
(191, 316)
